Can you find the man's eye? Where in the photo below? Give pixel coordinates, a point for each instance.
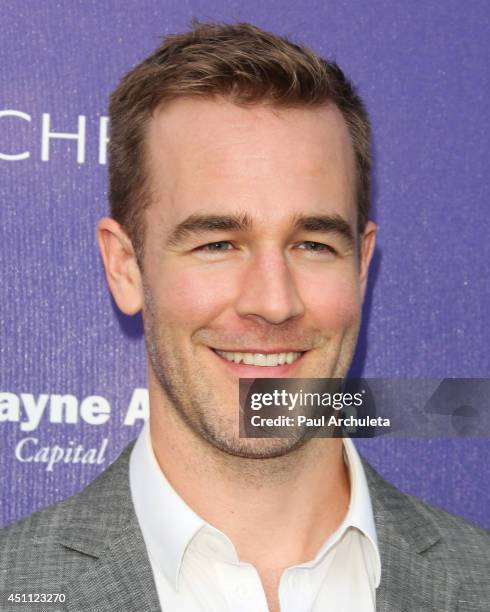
(316, 247)
(216, 247)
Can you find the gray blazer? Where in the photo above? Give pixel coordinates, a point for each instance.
(90, 548)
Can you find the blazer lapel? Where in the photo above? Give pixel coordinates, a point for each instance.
(410, 581)
(120, 579)
(102, 524)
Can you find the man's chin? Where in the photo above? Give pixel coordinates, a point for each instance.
(256, 448)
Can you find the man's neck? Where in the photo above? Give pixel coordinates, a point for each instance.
(277, 511)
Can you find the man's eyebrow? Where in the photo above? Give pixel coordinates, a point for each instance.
(200, 223)
(196, 224)
(325, 224)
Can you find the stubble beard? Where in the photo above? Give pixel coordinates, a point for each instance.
(190, 395)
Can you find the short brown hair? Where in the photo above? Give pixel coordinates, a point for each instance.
(241, 63)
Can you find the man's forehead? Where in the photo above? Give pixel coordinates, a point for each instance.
(208, 155)
(203, 121)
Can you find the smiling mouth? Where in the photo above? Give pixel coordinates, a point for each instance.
(260, 359)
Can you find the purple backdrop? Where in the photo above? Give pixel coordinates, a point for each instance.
(422, 69)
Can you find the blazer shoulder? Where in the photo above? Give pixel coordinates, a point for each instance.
(463, 549)
(458, 533)
(456, 542)
(39, 550)
(32, 556)
(40, 526)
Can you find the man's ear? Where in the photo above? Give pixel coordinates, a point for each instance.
(367, 243)
(121, 266)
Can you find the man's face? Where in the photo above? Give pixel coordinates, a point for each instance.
(252, 264)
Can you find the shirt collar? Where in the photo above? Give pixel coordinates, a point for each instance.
(157, 504)
(360, 513)
(168, 524)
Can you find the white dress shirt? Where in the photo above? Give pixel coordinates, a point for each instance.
(196, 566)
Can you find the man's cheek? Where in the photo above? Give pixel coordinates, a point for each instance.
(195, 297)
(334, 305)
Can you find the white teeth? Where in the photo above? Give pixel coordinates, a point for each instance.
(271, 360)
(260, 359)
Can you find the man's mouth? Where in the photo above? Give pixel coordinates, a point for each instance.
(260, 359)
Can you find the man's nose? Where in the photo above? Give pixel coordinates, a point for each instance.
(269, 290)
